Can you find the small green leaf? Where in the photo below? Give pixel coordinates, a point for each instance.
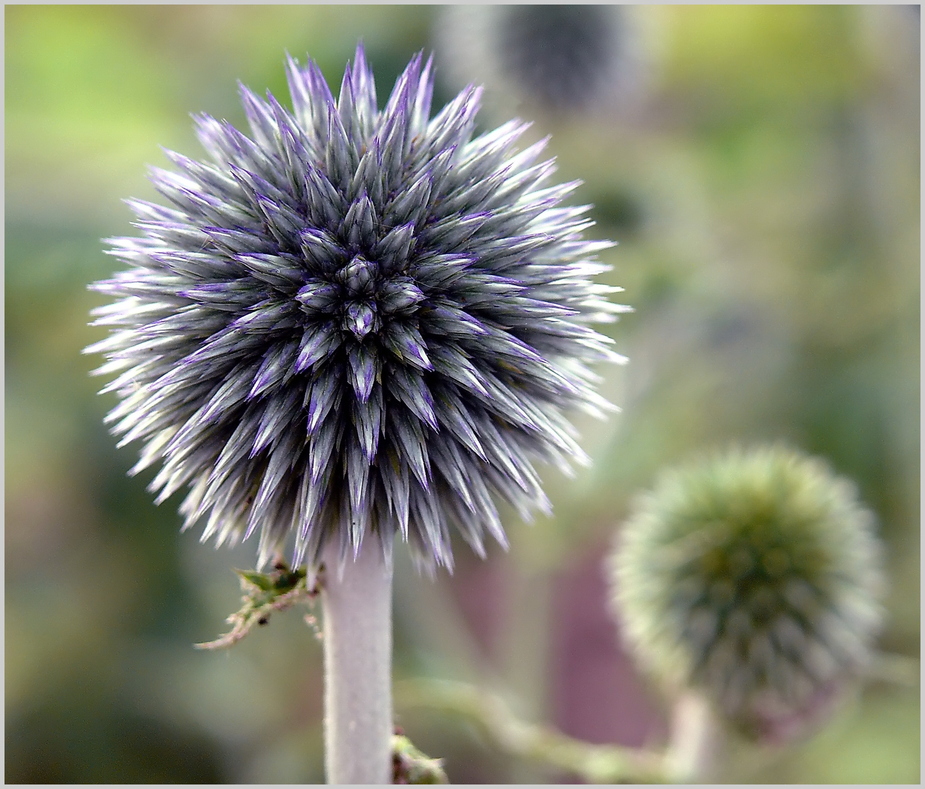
(265, 593)
(410, 766)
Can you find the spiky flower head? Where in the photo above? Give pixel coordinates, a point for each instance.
(556, 59)
(752, 576)
(354, 322)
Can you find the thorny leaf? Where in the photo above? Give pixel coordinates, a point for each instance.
(265, 593)
(410, 766)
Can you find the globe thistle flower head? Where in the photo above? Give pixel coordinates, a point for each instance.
(755, 577)
(354, 323)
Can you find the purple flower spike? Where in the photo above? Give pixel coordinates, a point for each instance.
(354, 322)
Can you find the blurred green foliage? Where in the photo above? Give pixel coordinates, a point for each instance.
(767, 205)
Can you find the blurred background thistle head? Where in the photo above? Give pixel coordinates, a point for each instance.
(554, 60)
(754, 576)
(354, 323)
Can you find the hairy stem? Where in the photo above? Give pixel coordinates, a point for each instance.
(357, 607)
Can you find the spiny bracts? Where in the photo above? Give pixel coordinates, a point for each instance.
(755, 577)
(355, 322)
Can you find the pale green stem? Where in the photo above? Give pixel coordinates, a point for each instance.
(694, 742)
(357, 607)
(596, 764)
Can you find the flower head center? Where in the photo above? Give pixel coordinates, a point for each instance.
(358, 280)
(358, 277)
(361, 318)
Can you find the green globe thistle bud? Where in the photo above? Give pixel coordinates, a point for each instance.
(754, 578)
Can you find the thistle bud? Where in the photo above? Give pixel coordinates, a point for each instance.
(753, 577)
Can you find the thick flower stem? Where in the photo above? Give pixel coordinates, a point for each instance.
(357, 605)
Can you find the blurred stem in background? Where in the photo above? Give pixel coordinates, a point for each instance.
(695, 740)
(596, 764)
(691, 755)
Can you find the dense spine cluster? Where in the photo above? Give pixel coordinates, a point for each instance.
(355, 321)
(754, 576)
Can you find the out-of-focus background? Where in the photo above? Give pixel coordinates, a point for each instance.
(759, 167)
